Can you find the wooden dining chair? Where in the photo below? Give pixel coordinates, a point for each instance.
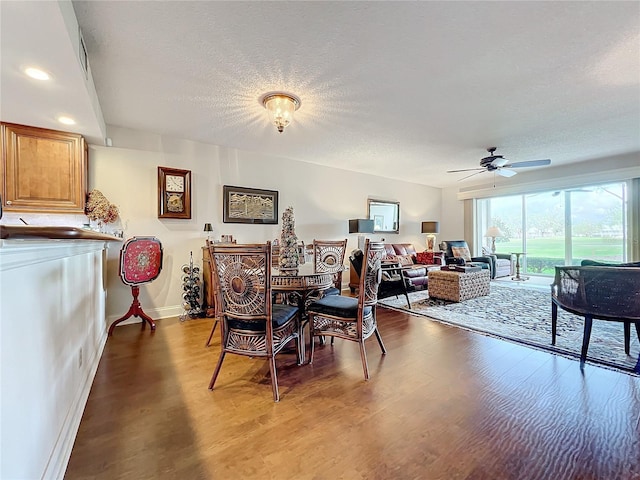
(350, 318)
(251, 324)
(328, 257)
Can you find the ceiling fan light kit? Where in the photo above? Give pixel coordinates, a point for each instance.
(500, 165)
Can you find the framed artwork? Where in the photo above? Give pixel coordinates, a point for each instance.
(249, 205)
(174, 193)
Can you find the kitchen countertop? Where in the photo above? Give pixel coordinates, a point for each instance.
(53, 233)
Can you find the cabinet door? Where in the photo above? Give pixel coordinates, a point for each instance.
(43, 170)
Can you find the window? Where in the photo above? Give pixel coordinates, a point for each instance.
(561, 227)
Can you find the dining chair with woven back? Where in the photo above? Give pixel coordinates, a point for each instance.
(328, 257)
(252, 325)
(351, 318)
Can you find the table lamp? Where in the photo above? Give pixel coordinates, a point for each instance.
(431, 228)
(208, 228)
(493, 232)
(361, 226)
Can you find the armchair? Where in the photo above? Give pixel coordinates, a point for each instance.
(458, 252)
(502, 264)
(392, 280)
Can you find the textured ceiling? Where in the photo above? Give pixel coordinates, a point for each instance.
(400, 89)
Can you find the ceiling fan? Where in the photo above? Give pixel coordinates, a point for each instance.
(500, 165)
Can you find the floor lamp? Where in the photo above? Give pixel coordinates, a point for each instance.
(431, 228)
(361, 226)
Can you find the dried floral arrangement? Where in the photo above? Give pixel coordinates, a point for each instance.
(98, 208)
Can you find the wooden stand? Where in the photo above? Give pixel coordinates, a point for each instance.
(134, 310)
(518, 277)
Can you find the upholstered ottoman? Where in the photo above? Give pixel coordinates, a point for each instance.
(458, 286)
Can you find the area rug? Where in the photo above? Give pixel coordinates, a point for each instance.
(523, 315)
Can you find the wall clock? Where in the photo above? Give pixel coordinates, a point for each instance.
(174, 193)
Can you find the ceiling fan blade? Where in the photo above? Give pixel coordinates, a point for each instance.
(499, 162)
(528, 163)
(476, 173)
(505, 172)
(464, 170)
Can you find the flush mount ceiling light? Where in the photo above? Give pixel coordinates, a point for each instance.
(280, 107)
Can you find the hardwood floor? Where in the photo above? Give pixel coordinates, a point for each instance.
(444, 403)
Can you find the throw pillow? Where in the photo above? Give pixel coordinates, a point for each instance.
(461, 252)
(392, 259)
(425, 258)
(405, 260)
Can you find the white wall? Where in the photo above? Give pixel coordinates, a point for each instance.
(452, 216)
(323, 200)
(52, 308)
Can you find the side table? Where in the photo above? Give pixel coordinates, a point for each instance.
(518, 277)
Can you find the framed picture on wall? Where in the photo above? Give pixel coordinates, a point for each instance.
(249, 205)
(174, 193)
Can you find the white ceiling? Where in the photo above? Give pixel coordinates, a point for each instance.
(405, 90)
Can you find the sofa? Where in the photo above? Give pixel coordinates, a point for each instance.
(406, 255)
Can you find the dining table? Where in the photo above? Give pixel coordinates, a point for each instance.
(304, 280)
(298, 287)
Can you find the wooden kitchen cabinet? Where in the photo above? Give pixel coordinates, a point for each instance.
(43, 170)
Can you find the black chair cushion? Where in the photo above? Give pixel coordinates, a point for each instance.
(331, 291)
(280, 314)
(338, 306)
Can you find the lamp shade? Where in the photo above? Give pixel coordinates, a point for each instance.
(494, 232)
(430, 227)
(207, 227)
(361, 225)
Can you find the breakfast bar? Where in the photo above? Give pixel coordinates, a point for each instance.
(53, 331)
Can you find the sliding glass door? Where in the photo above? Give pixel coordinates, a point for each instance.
(560, 227)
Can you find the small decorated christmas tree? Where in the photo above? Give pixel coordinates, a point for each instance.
(289, 257)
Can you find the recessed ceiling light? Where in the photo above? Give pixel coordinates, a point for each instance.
(37, 73)
(67, 120)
